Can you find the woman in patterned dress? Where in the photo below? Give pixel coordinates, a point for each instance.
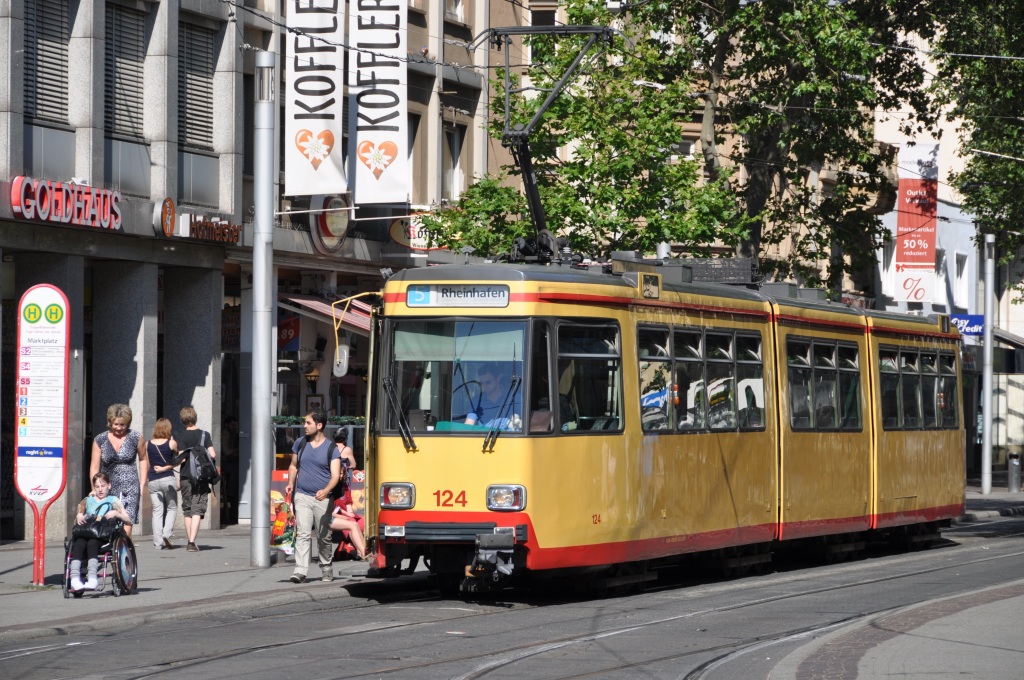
(121, 453)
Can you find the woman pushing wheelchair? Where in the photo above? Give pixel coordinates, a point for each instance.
(102, 511)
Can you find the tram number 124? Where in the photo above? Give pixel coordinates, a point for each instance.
(448, 499)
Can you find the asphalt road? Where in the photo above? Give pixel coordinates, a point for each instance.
(849, 620)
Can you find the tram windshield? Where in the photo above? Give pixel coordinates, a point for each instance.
(453, 375)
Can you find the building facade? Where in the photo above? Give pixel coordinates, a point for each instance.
(126, 164)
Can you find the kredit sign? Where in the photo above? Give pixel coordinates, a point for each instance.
(58, 203)
(969, 324)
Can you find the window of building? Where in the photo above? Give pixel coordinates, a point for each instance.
(126, 155)
(887, 268)
(961, 286)
(198, 167)
(941, 280)
(124, 62)
(46, 60)
(453, 9)
(195, 86)
(454, 136)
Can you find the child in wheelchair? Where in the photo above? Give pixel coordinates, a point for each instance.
(106, 514)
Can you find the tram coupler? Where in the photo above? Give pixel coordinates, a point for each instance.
(493, 558)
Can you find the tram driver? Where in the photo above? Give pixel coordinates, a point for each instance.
(488, 409)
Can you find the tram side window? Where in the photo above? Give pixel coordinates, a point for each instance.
(910, 389)
(799, 366)
(849, 388)
(542, 420)
(721, 381)
(824, 385)
(946, 393)
(825, 378)
(929, 385)
(889, 388)
(692, 408)
(589, 377)
(656, 390)
(750, 382)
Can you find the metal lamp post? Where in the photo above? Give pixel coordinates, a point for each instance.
(262, 308)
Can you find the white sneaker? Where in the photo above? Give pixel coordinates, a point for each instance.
(91, 584)
(76, 584)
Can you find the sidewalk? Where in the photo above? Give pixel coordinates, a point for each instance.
(175, 584)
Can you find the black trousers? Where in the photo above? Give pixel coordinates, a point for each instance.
(85, 548)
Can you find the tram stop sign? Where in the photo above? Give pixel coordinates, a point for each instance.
(41, 385)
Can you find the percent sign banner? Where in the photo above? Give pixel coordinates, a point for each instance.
(915, 223)
(41, 382)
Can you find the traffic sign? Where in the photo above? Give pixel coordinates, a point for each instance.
(40, 440)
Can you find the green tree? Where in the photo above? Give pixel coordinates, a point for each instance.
(982, 94)
(783, 90)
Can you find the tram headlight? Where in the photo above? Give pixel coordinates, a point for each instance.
(506, 497)
(397, 496)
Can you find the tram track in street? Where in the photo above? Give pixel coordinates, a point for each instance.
(485, 662)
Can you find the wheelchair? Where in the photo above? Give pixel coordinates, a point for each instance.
(118, 566)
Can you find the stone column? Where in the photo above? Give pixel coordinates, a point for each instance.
(228, 118)
(67, 272)
(193, 299)
(161, 88)
(245, 402)
(12, 88)
(124, 349)
(86, 80)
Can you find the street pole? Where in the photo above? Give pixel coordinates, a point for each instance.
(986, 375)
(262, 308)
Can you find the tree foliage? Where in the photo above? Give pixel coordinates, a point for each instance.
(783, 92)
(984, 97)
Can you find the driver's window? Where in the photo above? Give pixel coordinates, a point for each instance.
(542, 419)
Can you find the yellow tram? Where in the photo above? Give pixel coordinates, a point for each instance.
(528, 419)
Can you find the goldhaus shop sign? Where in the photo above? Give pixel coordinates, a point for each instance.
(42, 200)
(168, 222)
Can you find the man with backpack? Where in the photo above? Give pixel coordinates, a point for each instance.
(198, 474)
(314, 472)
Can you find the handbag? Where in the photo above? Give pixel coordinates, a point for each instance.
(101, 529)
(96, 526)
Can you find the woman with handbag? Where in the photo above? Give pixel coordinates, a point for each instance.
(121, 453)
(94, 523)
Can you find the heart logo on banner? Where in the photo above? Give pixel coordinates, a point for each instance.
(377, 157)
(315, 148)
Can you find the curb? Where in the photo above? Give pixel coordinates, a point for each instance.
(130, 618)
(977, 515)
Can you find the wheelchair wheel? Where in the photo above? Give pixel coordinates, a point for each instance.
(126, 567)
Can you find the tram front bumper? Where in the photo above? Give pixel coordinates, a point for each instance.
(493, 555)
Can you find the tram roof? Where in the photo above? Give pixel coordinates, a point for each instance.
(563, 274)
(554, 273)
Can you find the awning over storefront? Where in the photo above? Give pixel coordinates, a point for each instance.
(1016, 341)
(356, 320)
